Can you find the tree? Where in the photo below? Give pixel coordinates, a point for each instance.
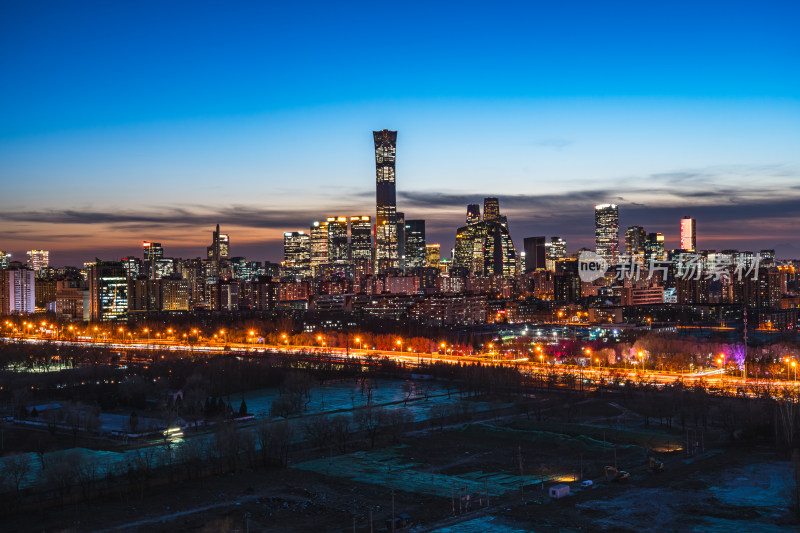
(243, 409)
(17, 467)
(370, 419)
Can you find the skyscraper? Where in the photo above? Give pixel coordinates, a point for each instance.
(485, 248)
(606, 231)
(491, 209)
(108, 291)
(17, 291)
(654, 247)
(473, 214)
(432, 255)
(338, 249)
(220, 246)
(319, 243)
(401, 239)
(296, 254)
(688, 234)
(5, 258)
(153, 252)
(535, 256)
(386, 249)
(361, 237)
(635, 238)
(415, 244)
(38, 259)
(556, 249)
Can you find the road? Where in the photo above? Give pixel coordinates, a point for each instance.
(715, 377)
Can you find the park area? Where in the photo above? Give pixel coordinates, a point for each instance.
(458, 464)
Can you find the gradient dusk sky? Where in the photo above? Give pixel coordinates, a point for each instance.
(123, 122)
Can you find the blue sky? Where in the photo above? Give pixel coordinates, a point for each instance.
(148, 121)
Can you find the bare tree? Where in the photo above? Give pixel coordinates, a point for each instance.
(17, 466)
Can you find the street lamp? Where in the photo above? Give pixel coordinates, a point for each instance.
(358, 341)
(794, 365)
(400, 345)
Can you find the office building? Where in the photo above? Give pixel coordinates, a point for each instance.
(296, 254)
(433, 255)
(635, 239)
(654, 247)
(152, 253)
(485, 248)
(473, 214)
(319, 243)
(386, 246)
(491, 209)
(338, 246)
(133, 267)
(220, 246)
(401, 239)
(556, 250)
(688, 234)
(535, 254)
(415, 244)
(5, 259)
(38, 259)
(108, 291)
(606, 232)
(361, 238)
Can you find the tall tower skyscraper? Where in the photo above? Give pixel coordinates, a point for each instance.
(338, 249)
(473, 214)
(386, 248)
(606, 231)
(319, 243)
(296, 254)
(361, 238)
(688, 234)
(415, 243)
(491, 209)
(654, 247)
(5, 259)
(220, 246)
(535, 254)
(635, 238)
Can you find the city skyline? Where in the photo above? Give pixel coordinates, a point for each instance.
(96, 156)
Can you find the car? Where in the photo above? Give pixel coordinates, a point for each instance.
(587, 483)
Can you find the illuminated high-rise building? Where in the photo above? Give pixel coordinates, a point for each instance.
(338, 249)
(415, 244)
(473, 214)
(433, 255)
(535, 254)
(485, 248)
(17, 291)
(654, 247)
(386, 246)
(556, 250)
(361, 238)
(606, 231)
(401, 239)
(133, 267)
(220, 246)
(319, 243)
(38, 259)
(491, 209)
(688, 234)
(635, 238)
(153, 252)
(5, 259)
(296, 254)
(108, 291)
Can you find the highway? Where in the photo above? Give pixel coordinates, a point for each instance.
(715, 377)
